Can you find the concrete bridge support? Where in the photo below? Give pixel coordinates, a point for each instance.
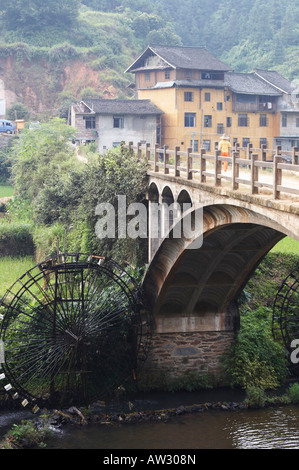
(194, 292)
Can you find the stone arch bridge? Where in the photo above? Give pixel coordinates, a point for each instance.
(194, 288)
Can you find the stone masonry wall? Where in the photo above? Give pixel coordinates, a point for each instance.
(178, 352)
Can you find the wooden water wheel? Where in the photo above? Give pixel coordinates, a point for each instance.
(73, 328)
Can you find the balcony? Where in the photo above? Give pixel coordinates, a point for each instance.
(266, 107)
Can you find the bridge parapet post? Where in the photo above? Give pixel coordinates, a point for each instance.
(203, 166)
(249, 151)
(235, 170)
(254, 174)
(263, 153)
(277, 176)
(156, 159)
(147, 151)
(177, 161)
(166, 160)
(189, 164)
(217, 168)
(295, 156)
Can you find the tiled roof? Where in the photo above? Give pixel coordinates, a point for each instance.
(249, 83)
(275, 79)
(182, 57)
(101, 106)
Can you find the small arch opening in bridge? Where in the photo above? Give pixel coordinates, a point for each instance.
(153, 193)
(169, 210)
(167, 196)
(184, 198)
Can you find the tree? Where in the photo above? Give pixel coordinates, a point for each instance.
(145, 23)
(42, 154)
(72, 201)
(38, 13)
(18, 111)
(102, 5)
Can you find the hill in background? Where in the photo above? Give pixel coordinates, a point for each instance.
(53, 53)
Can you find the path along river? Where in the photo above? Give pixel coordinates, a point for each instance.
(270, 428)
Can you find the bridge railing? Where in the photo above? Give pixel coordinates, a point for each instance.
(255, 168)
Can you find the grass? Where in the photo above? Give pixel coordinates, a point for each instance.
(287, 245)
(6, 190)
(11, 269)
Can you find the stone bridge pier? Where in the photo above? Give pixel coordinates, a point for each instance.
(193, 288)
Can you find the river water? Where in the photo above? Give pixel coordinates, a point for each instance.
(269, 428)
(275, 428)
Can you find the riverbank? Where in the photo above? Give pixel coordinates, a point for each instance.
(36, 431)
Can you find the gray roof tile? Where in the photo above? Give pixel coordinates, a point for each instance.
(249, 83)
(275, 79)
(183, 57)
(102, 106)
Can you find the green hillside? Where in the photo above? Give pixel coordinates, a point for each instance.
(52, 53)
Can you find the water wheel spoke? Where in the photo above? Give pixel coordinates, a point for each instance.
(71, 328)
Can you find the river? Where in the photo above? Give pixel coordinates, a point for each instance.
(269, 428)
(275, 428)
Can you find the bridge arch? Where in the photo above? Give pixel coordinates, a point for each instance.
(184, 197)
(194, 292)
(167, 195)
(201, 284)
(153, 193)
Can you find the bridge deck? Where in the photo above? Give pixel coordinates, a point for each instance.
(251, 171)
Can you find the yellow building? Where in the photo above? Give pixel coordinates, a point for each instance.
(203, 99)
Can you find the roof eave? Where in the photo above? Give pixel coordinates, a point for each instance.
(131, 69)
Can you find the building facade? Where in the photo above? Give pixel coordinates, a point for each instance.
(202, 99)
(109, 122)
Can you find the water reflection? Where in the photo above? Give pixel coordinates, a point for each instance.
(273, 429)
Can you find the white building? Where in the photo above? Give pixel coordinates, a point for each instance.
(288, 108)
(109, 122)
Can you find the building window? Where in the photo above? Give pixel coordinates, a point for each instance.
(284, 120)
(263, 120)
(208, 121)
(167, 75)
(194, 145)
(207, 96)
(263, 141)
(188, 96)
(219, 107)
(207, 145)
(220, 129)
(116, 144)
(90, 122)
(190, 119)
(242, 120)
(228, 122)
(297, 122)
(147, 76)
(188, 74)
(119, 122)
(245, 142)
